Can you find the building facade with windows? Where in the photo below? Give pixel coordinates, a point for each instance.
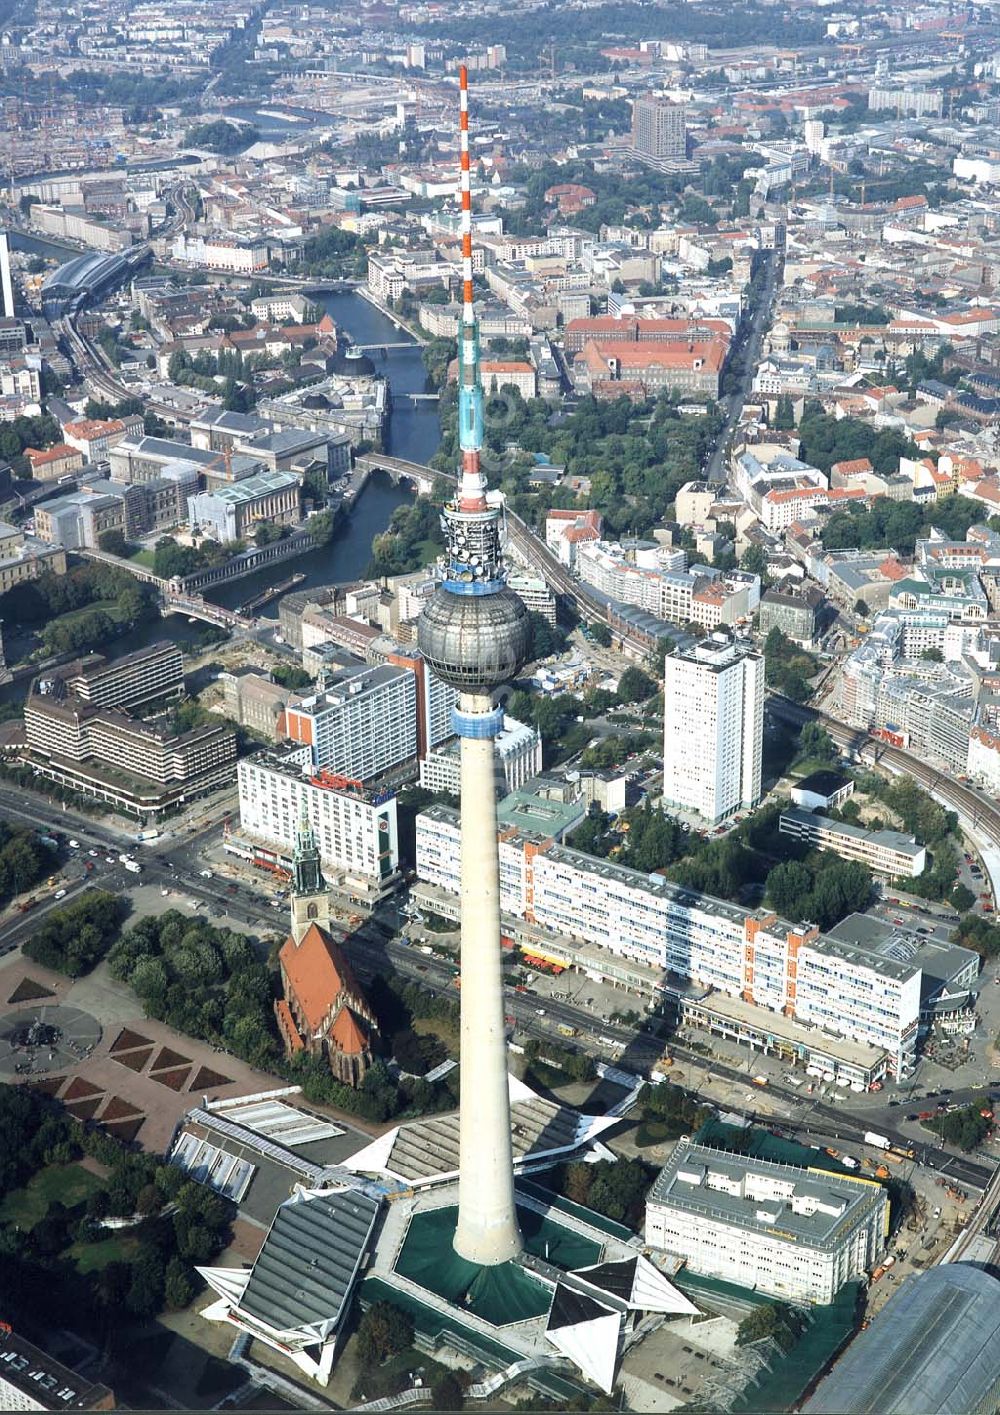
(713, 714)
(886, 852)
(362, 722)
(354, 829)
(681, 935)
(797, 1234)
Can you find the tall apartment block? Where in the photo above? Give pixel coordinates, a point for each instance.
(658, 129)
(713, 727)
(6, 283)
(354, 828)
(361, 724)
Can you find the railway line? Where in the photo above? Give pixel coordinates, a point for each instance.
(976, 807)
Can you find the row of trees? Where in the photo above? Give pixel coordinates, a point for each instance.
(170, 559)
(34, 602)
(636, 456)
(615, 1188)
(823, 889)
(787, 668)
(222, 136)
(966, 1128)
(412, 538)
(201, 980)
(24, 860)
(920, 815)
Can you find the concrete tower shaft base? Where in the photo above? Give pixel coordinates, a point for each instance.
(487, 1231)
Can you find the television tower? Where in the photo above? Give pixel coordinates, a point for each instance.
(474, 635)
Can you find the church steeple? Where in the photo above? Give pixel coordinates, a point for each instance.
(310, 899)
(306, 872)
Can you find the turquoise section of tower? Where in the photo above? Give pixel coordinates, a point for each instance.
(471, 427)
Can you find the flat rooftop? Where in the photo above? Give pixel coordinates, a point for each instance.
(888, 839)
(807, 1207)
(786, 1029)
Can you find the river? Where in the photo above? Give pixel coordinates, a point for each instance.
(414, 432)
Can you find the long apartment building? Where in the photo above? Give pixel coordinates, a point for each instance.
(886, 852)
(79, 733)
(798, 1234)
(355, 828)
(133, 765)
(687, 936)
(145, 676)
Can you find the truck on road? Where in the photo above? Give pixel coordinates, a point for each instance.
(133, 867)
(880, 1142)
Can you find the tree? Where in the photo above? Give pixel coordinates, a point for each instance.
(932, 654)
(962, 898)
(634, 686)
(178, 1289)
(784, 413)
(601, 634)
(754, 562)
(113, 543)
(816, 742)
(447, 1393)
(789, 889)
(383, 1330)
(775, 1320)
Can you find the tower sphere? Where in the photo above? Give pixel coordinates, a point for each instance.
(474, 642)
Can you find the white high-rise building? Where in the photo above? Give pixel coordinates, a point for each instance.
(354, 829)
(6, 284)
(713, 727)
(361, 724)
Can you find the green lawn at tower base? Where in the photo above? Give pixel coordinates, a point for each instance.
(501, 1294)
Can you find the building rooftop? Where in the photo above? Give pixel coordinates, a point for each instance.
(804, 1206)
(934, 1348)
(46, 1383)
(248, 488)
(528, 811)
(426, 1151)
(823, 783)
(317, 973)
(938, 959)
(305, 1271)
(887, 839)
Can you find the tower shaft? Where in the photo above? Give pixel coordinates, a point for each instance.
(487, 1223)
(474, 634)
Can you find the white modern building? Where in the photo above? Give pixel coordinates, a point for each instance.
(519, 758)
(678, 935)
(798, 1234)
(889, 853)
(713, 716)
(361, 723)
(355, 829)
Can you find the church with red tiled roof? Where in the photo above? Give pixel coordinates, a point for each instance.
(323, 1010)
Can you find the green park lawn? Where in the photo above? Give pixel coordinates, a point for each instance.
(94, 1257)
(67, 1184)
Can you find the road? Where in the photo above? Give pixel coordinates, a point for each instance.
(636, 1051)
(748, 350)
